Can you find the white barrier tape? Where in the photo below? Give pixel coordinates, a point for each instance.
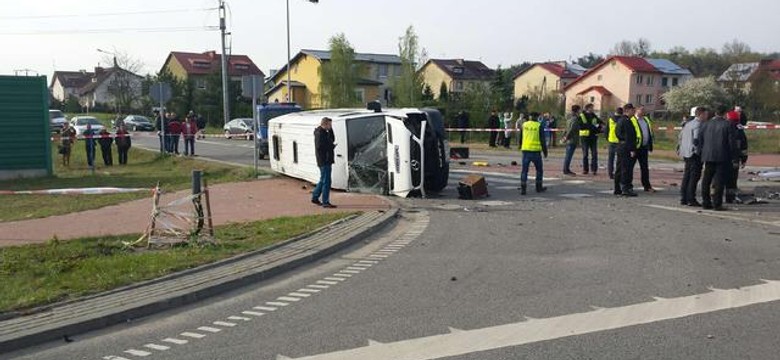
(662, 128)
(98, 136)
(494, 130)
(82, 191)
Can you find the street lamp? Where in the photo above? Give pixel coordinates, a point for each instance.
(109, 53)
(289, 59)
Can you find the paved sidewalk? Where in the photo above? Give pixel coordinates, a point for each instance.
(233, 202)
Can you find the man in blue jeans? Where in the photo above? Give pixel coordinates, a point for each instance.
(571, 138)
(532, 145)
(324, 144)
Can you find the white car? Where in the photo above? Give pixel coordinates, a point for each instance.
(80, 124)
(242, 127)
(56, 120)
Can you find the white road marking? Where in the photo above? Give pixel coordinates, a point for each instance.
(253, 313)
(358, 268)
(157, 347)
(576, 182)
(266, 308)
(112, 357)
(209, 329)
(288, 298)
(318, 286)
(350, 272)
(175, 341)
(277, 303)
(309, 290)
(228, 324)
(471, 341)
(327, 282)
(238, 318)
(193, 335)
(330, 278)
(297, 294)
(388, 250)
(342, 275)
(395, 245)
(140, 353)
(576, 196)
(378, 256)
(372, 262)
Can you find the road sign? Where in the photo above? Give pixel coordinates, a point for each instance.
(252, 86)
(160, 92)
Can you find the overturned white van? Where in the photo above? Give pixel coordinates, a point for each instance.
(382, 152)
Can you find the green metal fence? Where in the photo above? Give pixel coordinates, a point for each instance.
(25, 148)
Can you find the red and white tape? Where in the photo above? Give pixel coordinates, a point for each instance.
(661, 128)
(75, 191)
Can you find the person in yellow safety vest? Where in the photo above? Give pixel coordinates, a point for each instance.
(613, 141)
(590, 127)
(644, 128)
(532, 145)
(628, 138)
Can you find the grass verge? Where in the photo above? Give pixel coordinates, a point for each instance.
(36, 275)
(144, 170)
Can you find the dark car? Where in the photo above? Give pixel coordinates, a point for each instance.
(138, 123)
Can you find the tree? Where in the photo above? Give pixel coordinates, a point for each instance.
(545, 101)
(427, 95)
(502, 89)
(736, 51)
(408, 87)
(124, 88)
(444, 94)
(340, 75)
(589, 61)
(696, 92)
(641, 47)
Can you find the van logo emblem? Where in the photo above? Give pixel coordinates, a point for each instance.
(415, 165)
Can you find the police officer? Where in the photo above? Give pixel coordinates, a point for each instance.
(613, 141)
(532, 145)
(644, 128)
(590, 126)
(628, 143)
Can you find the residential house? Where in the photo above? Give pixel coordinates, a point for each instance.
(623, 79)
(197, 67)
(548, 77)
(65, 84)
(742, 75)
(114, 86)
(378, 70)
(456, 74)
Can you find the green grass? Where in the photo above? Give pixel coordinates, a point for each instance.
(144, 170)
(35, 275)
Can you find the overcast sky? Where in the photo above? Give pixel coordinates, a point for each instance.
(44, 35)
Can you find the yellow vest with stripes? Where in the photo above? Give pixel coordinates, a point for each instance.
(532, 141)
(584, 121)
(612, 137)
(638, 129)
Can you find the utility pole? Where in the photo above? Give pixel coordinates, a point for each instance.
(289, 94)
(225, 88)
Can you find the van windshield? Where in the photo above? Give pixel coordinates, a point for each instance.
(367, 139)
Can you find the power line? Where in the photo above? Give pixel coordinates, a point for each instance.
(111, 31)
(143, 12)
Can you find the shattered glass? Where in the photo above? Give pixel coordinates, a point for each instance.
(367, 155)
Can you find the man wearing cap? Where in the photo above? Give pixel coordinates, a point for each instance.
(324, 144)
(571, 138)
(532, 145)
(628, 143)
(590, 126)
(644, 127)
(613, 141)
(687, 141)
(735, 119)
(718, 148)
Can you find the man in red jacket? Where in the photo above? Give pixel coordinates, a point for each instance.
(189, 130)
(174, 130)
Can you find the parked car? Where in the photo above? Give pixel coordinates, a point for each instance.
(138, 123)
(242, 127)
(56, 120)
(79, 123)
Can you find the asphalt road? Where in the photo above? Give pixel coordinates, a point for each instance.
(574, 273)
(236, 151)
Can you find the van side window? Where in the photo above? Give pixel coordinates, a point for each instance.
(277, 147)
(389, 134)
(295, 152)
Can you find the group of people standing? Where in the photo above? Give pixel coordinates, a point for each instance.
(718, 145)
(93, 139)
(173, 129)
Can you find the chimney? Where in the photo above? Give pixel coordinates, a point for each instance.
(460, 61)
(211, 54)
(273, 72)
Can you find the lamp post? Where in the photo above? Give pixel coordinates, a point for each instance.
(108, 53)
(289, 59)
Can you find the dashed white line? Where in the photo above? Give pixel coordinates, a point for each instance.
(226, 324)
(253, 313)
(112, 357)
(351, 271)
(288, 298)
(238, 318)
(356, 268)
(266, 308)
(318, 286)
(193, 335)
(342, 275)
(323, 282)
(175, 341)
(157, 347)
(388, 250)
(362, 266)
(297, 294)
(209, 329)
(309, 290)
(377, 256)
(140, 353)
(277, 303)
(372, 262)
(333, 279)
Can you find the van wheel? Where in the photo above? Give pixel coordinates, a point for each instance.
(227, 134)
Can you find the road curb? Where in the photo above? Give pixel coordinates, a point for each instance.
(44, 326)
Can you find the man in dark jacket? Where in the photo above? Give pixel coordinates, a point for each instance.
(718, 148)
(324, 144)
(645, 146)
(463, 123)
(89, 143)
(735, 120)
(590, 127)
(123, 143)
(493, 125)
(105, 141)
(626, 153)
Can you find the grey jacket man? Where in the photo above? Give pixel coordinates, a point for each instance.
(571, 134)
(717, 141)
(689, 138)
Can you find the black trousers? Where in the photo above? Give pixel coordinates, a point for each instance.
(642, 156)
(189, 146)
(107, 158)
(493, 137)
(462, 137)
(611, 156)
(624, 172)
(590, 154)
(175, 144)
(122, 150)
(731, 183)
(691, 177)
(715, 176)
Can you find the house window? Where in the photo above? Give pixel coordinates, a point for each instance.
(384, 71)
(592, 99)
(295, 152)
(200, 84)
(648, 99)
(600, 77)
(675, 81)
(665, 81)
(241, 66)
(457, 70)
(201, 64)
(640, 79)
(459, 86)
(639, 99)
(360, 95)
(650, 80)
